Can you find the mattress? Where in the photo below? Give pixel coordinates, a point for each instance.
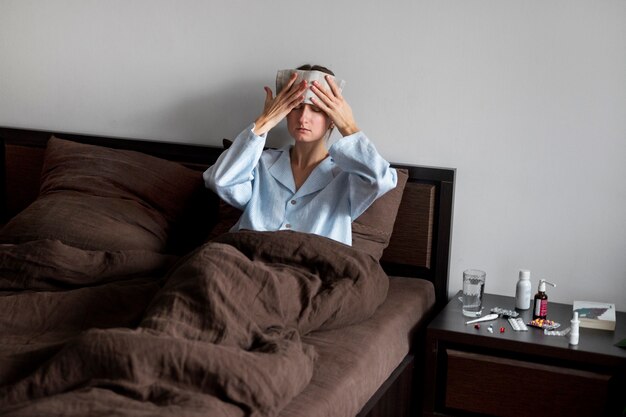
(354, 361)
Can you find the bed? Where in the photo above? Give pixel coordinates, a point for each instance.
(122, 292)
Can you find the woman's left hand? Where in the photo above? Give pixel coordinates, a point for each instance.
(335, 106)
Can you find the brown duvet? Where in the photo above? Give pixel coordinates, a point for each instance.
(216, 333)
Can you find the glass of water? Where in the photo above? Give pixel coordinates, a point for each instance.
(473, 289)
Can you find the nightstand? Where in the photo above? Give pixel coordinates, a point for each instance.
(470, 371)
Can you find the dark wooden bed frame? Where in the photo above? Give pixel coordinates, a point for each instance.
(419, 247)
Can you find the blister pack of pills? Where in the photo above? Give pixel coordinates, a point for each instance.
(563, 332)
(518, 324)
(544, 324)
(504, 312)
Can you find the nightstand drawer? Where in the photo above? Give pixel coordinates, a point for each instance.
(507, 387)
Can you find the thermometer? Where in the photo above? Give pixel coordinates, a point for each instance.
(488, 317)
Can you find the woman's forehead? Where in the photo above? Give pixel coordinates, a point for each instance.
(311, 106)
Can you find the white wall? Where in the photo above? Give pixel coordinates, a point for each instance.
(527, 99)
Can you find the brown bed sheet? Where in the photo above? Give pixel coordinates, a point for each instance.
(354, 361)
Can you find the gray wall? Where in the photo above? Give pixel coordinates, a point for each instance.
(527, 99)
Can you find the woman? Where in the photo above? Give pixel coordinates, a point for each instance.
(305, 187)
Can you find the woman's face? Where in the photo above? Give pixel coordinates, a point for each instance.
(307, 123)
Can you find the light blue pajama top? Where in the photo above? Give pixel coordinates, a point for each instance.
(336, 192)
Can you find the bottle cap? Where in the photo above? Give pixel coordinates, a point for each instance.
(542, 285)
(524, 274)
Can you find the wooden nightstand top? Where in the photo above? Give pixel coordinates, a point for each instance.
(596, 345)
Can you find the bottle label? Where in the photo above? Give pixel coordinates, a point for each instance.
(541, 308)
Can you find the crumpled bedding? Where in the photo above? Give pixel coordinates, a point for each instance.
(217, 332)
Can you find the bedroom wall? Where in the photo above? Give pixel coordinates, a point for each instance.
(526, 99)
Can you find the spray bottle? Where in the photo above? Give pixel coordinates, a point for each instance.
(540, 307)
(522, 290)
(574, 330)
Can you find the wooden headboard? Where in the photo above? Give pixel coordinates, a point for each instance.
(419, 247)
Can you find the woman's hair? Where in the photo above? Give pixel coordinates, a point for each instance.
(309, 67)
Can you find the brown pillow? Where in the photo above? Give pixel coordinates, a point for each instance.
(99, 198)
(372, 230)
(227, 215)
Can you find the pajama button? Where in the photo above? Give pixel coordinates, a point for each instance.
(287, 226)
(293, 202)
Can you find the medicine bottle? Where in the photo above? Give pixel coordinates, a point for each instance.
(522, 290)
(540, 308)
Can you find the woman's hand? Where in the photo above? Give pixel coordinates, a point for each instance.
(275, 109)
(335, 106)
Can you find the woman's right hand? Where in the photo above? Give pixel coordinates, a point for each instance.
(276, 109)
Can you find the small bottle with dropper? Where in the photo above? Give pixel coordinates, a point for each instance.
(540, 306)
